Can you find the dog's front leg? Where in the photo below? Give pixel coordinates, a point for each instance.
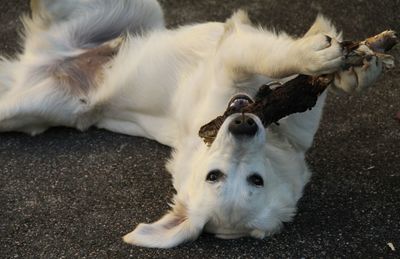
(245, 50)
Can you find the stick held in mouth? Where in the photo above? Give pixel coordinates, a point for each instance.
(301, 93)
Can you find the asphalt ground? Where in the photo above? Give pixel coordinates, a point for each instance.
(67, 194)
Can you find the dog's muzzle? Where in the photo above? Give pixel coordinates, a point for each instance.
(242, 125)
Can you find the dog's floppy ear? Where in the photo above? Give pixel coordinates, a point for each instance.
(175, 228)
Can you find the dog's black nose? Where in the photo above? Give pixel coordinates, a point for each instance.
(243, 125)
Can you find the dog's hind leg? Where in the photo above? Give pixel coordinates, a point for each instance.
(58, 93)
(34, 109)
(25, 110)
(6, 80)
(52, 81)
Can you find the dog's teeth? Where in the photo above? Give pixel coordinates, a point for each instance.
(239, 103)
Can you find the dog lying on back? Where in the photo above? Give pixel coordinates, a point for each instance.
(113, 65)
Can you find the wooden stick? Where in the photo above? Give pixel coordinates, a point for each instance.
(301, 93)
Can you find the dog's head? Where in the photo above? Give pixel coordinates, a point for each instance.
(236, 187)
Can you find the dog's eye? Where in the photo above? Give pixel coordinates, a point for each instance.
(256, 180)
(214, 176)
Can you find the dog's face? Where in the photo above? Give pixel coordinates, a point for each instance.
(247, 194)
(231, 188)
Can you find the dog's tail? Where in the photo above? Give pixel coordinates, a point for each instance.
(87, 23)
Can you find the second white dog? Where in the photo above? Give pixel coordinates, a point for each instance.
(76, 71)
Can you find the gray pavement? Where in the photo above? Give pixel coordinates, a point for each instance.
(67, 194)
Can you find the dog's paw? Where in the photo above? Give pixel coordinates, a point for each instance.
(357, 79)
(319, 54)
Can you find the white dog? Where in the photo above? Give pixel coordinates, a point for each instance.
(77, 71)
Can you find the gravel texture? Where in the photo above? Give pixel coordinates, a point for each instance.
(67, 194)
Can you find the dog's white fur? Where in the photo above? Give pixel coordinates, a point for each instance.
(164, 85)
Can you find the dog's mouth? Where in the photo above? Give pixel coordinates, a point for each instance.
(239, 101)
(237, 104)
